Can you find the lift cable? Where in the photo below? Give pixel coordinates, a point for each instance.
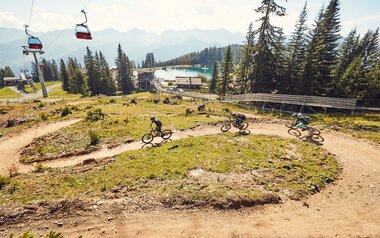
(71, 22)
(29, 21)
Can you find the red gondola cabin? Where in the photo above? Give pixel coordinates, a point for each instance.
(82, 32)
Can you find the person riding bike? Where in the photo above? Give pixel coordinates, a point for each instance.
(157, 122)
(301, 120)
(239, 118)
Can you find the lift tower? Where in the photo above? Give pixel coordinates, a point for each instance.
(35, 47)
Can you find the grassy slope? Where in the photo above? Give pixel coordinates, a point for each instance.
(6, 93)
(125, 122)
(59, 93)
(250, 170)
(33, 112)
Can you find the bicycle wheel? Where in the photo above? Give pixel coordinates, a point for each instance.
(294, 132)
(166, 134)
(313, 131)
(147, 138)
(289, 125)
(226, 127)
(243, 126)
(317, 138)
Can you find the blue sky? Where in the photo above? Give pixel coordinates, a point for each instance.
(161, 15)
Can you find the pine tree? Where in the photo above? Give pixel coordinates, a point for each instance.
(107, 83)
(8, 72)
(331, 27)
(47, 71)
(1, 77)
(64, 76)
(372, 96)
(77, 83)
(266, 62)
(93, 77)
(226, 73)
(34, 72)
(296, 55)
(214, 78)
(246, 65)
(353, 81)
(349, 50)
(124, 72)
(54, 68)
(369, 47)
(279, 69)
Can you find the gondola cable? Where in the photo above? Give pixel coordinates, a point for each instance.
(72, 21)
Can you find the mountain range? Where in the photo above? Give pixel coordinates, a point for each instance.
(61, 44)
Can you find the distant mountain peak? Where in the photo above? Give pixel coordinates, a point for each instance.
(135, 42)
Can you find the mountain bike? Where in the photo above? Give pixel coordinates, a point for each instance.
(148, 138)
(227, 126)
(313, 133)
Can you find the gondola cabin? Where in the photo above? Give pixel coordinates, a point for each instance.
(82, 32)
(34, 43)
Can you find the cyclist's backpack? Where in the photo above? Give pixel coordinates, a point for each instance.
(242, 117)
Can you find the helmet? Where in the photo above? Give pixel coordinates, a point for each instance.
(152, 118)
(294, 114)
(233, 114)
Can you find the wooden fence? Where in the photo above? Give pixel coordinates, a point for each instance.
(302, 100)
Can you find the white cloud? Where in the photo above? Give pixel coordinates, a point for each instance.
(161, 15)
(44, 21)
(8, 19)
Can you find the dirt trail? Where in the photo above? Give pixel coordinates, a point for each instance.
(10, 146)
(351, 207)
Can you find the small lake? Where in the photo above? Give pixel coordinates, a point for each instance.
(171, 73)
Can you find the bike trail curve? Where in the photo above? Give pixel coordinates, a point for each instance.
(11, 146)
(350, 207)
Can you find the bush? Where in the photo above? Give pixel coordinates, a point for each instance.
(27, 234)
(95, 115)
(94, 138)
(39, 168)
(66, 111)
(44, 116)
(41, 105)
(4, 181)
(53, 234)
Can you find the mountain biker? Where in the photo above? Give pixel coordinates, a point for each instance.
(301, 120)
(239, 118)
(157, 122)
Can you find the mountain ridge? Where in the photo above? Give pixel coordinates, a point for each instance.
(135, 42)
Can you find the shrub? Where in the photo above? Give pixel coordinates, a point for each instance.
(44, 116)
(66, 111)
(4, 181)
(39, 168)
(95, 115)
(27, 234)
(53, 234)
(94, 138)
(41, 105)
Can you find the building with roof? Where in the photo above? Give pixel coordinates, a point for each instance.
(189, 82)
(12, 81)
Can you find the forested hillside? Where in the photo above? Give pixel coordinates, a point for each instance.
(316, 60)
(205, 57)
